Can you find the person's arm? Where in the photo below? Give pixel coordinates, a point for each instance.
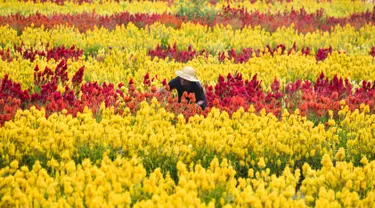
(172, 85)
(200, 102)
(199, 96)
(161, 90)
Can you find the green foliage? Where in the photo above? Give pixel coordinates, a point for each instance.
(98, 117)
(204, 156)
(138, 195)
(241, 171)
(215, 194)
(157, 159)
(29, 160)
(317, 119)
(92, 50)
(278, 169)
(164, 42)
(195, 9)
(94, 153)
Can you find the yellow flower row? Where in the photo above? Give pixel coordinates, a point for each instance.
(200, 37)
(335, 8)
(99, 7)
(118, 66)
(339, 184)
(152, 131)
(124, 181)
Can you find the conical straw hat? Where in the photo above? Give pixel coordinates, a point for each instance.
(187, 73)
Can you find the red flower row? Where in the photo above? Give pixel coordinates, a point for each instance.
(239, 57)
(229, 94)
(83, 22)
(372, 52)
(173, 52)
(237, 17)
(303, 22)
(50, 53)
(313, 100)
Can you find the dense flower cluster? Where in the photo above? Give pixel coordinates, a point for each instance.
(61, 2)
(215, 40)
(330, 8)
(302, 21)
(238, 18)
(229, 94)
(290, 115)
(234, 160)
(50, 53)
(173, 53)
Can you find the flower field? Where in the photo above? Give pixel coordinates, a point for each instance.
(290, 86)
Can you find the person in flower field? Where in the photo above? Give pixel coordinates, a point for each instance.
(187, 81)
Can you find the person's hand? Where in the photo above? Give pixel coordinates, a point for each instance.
(199, 103)
(160, 90)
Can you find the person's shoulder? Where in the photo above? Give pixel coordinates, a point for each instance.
(174, 82)
(174, 79)
(198, 85)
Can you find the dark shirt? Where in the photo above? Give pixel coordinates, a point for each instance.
(194, 87)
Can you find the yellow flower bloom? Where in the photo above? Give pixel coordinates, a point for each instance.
(261, 163)
(14, 164)
(364, 160)
(340, 155)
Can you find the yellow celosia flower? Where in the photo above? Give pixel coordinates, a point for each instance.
(326, 161)
(14, 164)
(340, 155)
(261, 163)
(364, 160)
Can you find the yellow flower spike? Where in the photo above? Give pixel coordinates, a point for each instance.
(330, 114)
(36, 166)
(261, 163)
(326, 161)
(14, 164)
(364, 160)
(340, 155)
(289, 191)
(363, 185)
(41, 184)
(65, 155)
(366, 109)
(349, 184)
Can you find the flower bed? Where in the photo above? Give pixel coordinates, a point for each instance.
(289, 121)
